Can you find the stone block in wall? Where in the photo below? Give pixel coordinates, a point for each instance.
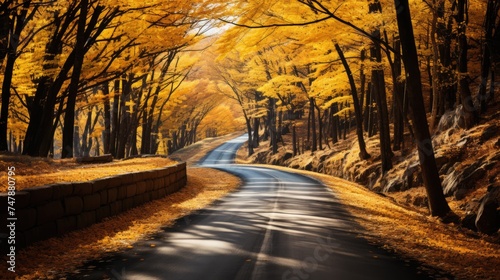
(172, 178)
(122, 192)
(141, 187)
(138, 200)
(49, 212)
(26, 218)
(171, 188)
(154, 194)
(149, 185)
(91, 202)
(131, 190)
(128, 203)
(115, 208)
(126, 179)
(82, 188)
(66, 224)
(62, 190)
(73, 205)
(155, 184)
(154, 173)
(164, 182)
(85, 219)
(165, 172)
(112, 194)
(146, 197)
(181, 167)
(40, 195)
(22, 199)
(141, 176)
(102, 212)
(162, 193)
(40, 232)
(105, 183)
(104, 197)
(179, 175)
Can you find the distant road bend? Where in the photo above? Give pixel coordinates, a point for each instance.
(277, 226)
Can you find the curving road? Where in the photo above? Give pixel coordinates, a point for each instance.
(278, 225)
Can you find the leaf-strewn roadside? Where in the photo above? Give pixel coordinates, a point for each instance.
(52, 258)
(414, 234)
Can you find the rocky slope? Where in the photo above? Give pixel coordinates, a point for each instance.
(468, 162)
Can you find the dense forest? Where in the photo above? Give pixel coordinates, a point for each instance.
(390, 69)
(84, 77)
(93, 77)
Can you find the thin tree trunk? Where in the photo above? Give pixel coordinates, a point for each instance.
(313, 125)
(106, 136)
(115, 118)
(434, 71)
(437, 202)
(272, 125)
(363, 154)
(17, 23)
(383, 116)
(470, 114)
(398, 99)
(489, 24)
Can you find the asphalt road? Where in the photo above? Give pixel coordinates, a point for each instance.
(278, 225)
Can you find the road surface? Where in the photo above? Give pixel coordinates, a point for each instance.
(278, 225)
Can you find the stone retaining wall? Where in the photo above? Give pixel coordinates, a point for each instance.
(53, 210)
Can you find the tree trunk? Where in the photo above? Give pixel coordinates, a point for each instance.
(294, 140)
(4, 112)
(398, 99)
(436, 97)
(106, 136)
(335, 123)
(255, 139)
(115, 119)
(320, 128)
(9, 44)
(363, 154)
(79, 50)
(272, 125)
(437, 202)
(489, 25)
(313, 125)
(76, 141)
(470, 114)
(123, 136)
(249, 132)
(378, 83)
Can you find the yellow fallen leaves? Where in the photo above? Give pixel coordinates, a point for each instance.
(31, 172)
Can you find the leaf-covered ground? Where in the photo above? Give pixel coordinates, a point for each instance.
(32, 172)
